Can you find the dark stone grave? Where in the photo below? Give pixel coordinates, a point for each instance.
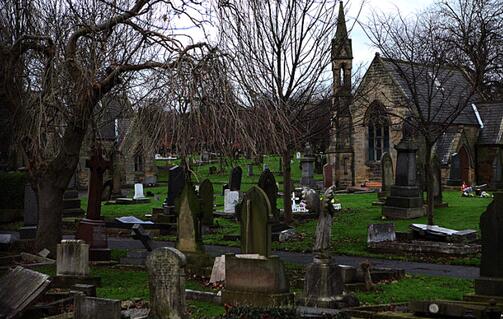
(235, 179)
(30, 214)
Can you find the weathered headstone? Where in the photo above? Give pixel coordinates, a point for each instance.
(20, 288)
(267, 183)
(387, 175)
(206, 199)
(235, 179)
(138, 191)
(92, 228)
(189, 237)
(381, 232)
(328, 175)
(255, 223)
(176, 181)
(455, 170)
(166, 269)
(491, 262)
(72, 258)
(231, 199)
(405, 200)
(96, 308)
(30, 214)
(307, 164)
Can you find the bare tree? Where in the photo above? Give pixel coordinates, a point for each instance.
(59, 59)
(436, 93)
(278, 53)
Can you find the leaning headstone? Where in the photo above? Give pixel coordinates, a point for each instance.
(255, 223)
(72, 258)
(405, 200)
(189, 237)
(381, 232)
(231, 199)
(206, 200)
(490, 282)
(96, 308)
(30, 214)
(20, 288)
(455, 171)
(267, 183)
(328, 175)
(176, 180)
(235, 179)
(218, 270)
(166, 269)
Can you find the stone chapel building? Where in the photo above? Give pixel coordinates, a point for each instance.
(363, 128)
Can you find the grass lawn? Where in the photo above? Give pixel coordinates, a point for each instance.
(349, 227)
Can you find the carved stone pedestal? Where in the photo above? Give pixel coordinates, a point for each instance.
(95, 234)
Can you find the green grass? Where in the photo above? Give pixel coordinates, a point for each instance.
(417, 288)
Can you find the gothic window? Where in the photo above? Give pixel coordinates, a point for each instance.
(378, 132)
(138, 163)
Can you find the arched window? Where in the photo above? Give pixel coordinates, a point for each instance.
(378, 131)
(138, 162)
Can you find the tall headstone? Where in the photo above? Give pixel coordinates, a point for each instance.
(166, 270)
(328, 175)
(497, 180)
(491, 261)
(92, 228)
(386, 176)
(255, 223)
(235, 179)
(436, 172)
(176, 180)
(307, 165)
(206, 199)
(405, 200)
(189, 239)
(455, 171)
(72, 258)
(30, 214)
(267, 183)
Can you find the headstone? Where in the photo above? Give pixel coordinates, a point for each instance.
(491, 261)
(20, 288)
(30, 214)
(381, 232)
(405, 200)
(176, 181)
(166, 269)
(235, 179)
(71, 204)
(72, 258)
(218, 270)
(189, 236)
(96, 308)
(387, 173)
(267, 183)
(455, 170)
(138, 191)
(255, 223)
(138, 233)
(307, 165)
(231, 199)
(206, 199)
(249, 169)
(328, 175)
(92, 228)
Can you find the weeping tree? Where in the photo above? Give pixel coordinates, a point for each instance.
(58, 60)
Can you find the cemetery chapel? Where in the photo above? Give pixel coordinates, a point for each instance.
(367, 121)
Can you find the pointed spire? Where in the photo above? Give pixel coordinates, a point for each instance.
(342, 33)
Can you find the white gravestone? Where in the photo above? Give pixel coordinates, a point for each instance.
(231, 198)
(138, 191)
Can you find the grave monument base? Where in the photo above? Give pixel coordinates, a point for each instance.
(405, 202)
(255, 280)
(393, 212)
(94, 233)
(488, 286)
(28, 232)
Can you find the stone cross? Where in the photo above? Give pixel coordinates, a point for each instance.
(267, 183)
(255, 223)
(166, 270)
(189, 236)
(235, 179)
(206, 202)
(72, 258)
(97, 165)
(138, 233)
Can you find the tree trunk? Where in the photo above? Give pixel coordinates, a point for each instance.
(50, 208)
(287, 187)
(429, 184)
